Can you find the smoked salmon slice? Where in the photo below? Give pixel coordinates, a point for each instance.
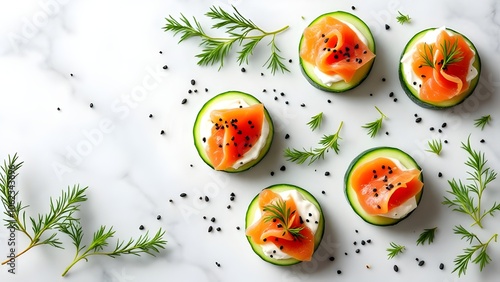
(267, 229)
(381, 185)
(233, 133)
(334, 48)
(443, 67)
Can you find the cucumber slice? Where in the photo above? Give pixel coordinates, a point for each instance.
(369, 155)
(413, 94)
(250, 218)
(361, 74)
(228, 96)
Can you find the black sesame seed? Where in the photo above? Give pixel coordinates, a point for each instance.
(363, 242)
(353, 8)
(206, 89)
(331, 258)
(58, 108)
(150, 115)
(421, 263)
(323, 192)
(231, 198)
(165, 67)
(356, 231)
(218, 229)
(184, 101)
(441, 266)
(440, 174)
(228, 207)
(207, 199)
(141, 227)
(71, 74)
(419, 119)
(391, 94)
(431, 129)
(445, 141)
(440, 131)
(482, 141)
(369, 241)
(158, 217)
(283, 168)
(162, 132)
(396, 268)
(357, 251)
(218, 264)
(327, 173)
(212, 219)
(387, 27)
(91, 105)
(272, 173)
(355, 243)
(210, 228)
(339, 272)
(287, 136)
(171, 200)
(182, 195)
(443, 125)
(237, 228)
(395, 99)
(193, 82)
(243, 70)
(329, 101)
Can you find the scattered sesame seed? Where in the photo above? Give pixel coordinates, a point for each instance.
(184, 101)
(339, 272)
(440, 174)
(210, 228)
(141, 227)
(331, 258)
(58, 108)
(482, 141)
(171, 200)
(243, 70)
(287, 136)
(327, 173)
(218, 264)
(272, 173)
(162, 132)
(441, 266)
(302, 105)
(207, 199)
(158, 217)
(353, 8)
(212, 219)
(218, 229)
(395, 99)
(443, 125)
(387, 27)
(161, 52)
(283, 168)
(165, 67)
(193, 82)
(383, 79)
(228, 207)
(290, 61)
(363, 242)
(369, 241)
(237, 228)
(329, 101)
(431, 129)
(206, 89)
(396, 268)
(150, 115)
(91, 105)
(182, 195)
(357, 251)
(421, 263)
(323, 192)
(419, 119)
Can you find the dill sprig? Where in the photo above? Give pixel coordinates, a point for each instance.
(278, 211)
(482, 258)
(482, 121)
(394, 250)
(467, 198)
(435, 146)
(239, 30)
(60, 214)
(327, 142)
(374, 126)
(426, 236)
(100, 240)
(315, 121)
(402, 19)
(451, 54)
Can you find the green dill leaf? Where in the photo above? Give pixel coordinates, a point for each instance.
(482, 121)
(402, 19)
(435, 146)
(278, 211)
(451, 53)
(394, 250)
(315, 121)
(239, 31)
(426, 236)
(327, 142)
(374, 126)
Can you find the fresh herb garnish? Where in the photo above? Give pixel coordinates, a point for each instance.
(402, 19)
(467, 198)
(278, 211)
(240, 31)
(100, 241)
(482, 121)
(61, 210)
(435, 146)
(394, 250)
(327, 142)
(426, 236)
(482, 258)
(374, 126)
(315, 121)
(450, 51)
(61, 218)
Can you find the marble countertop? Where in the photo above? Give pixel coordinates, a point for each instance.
(91, 93)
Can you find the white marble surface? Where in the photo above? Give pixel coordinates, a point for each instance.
(112, 48)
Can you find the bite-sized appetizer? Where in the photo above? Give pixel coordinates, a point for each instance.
(439, 68)
(337, 51)
(233, 131)
(383, 185)
(284, 224)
